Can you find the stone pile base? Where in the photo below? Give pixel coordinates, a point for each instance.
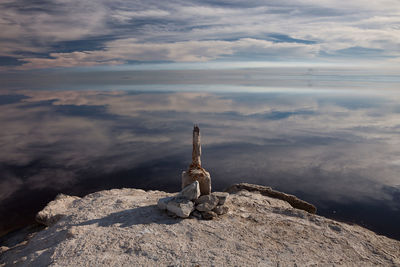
(189, 203)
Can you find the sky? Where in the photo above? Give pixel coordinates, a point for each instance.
(43, 34)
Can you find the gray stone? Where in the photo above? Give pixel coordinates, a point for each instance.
(222, 196)
(208, 215)
(205, 199)
(181, 207)
(197, 214)
(197, 174)
(220, 210)
(163, 202)
(190, 192)
(206, 202)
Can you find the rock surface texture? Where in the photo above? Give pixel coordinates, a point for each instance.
(195, 171)
(190, 192)
(55, 209)
(124, 227)
(180, 207)
(206, 203)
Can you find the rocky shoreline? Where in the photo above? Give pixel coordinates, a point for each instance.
(123, 227)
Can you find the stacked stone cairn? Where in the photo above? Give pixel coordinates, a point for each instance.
(196, 198)
(188, 203)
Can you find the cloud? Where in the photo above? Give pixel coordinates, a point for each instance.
(194, 31)
(73, 59)
(33, 26)
(125, 16)
(120, 51)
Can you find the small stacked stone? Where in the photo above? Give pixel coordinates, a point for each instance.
(189, 203)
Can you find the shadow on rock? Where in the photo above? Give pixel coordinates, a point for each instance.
(141, 215)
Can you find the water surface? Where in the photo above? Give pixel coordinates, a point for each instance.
(336, 149)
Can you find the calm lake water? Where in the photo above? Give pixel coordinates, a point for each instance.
(338, 150)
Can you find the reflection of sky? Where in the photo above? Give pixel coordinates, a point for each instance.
(339, 151)
(211, 79)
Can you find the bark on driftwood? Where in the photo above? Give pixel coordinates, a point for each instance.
(195, 171)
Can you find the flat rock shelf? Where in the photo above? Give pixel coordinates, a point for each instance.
(124, 227)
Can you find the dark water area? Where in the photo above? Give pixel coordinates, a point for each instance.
(337, 150)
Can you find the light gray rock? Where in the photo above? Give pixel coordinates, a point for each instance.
(181, 207)
(55, 210)
(198, 174)
(220, 210)
(208, 215)
(190, 192)
(163, 202)
(222, 197)
(135, 233)
(206, 203)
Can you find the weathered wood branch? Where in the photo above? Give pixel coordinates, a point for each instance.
(269, 192)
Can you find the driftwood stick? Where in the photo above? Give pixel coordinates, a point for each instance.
(268, 191)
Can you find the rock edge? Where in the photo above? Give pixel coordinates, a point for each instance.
(268, 191)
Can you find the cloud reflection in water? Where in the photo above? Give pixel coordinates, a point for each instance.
(340, 152)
